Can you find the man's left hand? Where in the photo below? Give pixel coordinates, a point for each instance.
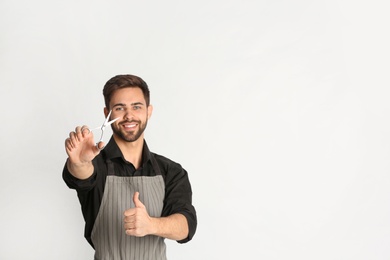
(137, 220)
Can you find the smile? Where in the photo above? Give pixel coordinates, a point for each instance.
(129, 126)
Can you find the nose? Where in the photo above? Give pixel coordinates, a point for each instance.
(128, 115)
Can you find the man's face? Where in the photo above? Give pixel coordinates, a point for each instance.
(130, 106)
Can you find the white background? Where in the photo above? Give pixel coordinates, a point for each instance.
(278, 110)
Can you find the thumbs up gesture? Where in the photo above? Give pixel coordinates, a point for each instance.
(137, 220)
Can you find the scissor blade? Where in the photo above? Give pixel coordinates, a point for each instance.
(112, 121)
(96, 128)
(107, 118)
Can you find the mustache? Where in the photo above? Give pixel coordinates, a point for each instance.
(130, 121)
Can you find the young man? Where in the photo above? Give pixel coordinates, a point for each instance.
(131, 199)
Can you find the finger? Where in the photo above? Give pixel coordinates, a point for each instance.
(129, 220)
(128, 214)
(130, 232)
(73, 139)
(136, 200)
(100, 145)
(68, 144)
(136, 232)
(85, 130)
(128, 226)
(79, 134)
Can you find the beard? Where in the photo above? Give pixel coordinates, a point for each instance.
(130, 136)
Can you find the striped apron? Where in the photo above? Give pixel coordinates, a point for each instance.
(108, 233)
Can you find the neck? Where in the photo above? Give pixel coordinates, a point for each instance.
(132, 151)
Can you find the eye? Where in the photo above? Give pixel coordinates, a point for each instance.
(136, 107)
(119, 108)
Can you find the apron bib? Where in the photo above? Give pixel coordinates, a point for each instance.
(108, 233)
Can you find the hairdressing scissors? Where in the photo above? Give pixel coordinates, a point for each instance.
(103, 126)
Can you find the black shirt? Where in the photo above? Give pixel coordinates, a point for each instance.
(178, 193)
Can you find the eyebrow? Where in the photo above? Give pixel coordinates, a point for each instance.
(137, 104)
(132, 104)
(119, 105)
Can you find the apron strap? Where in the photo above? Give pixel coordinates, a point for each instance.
(155, 165)
(110, 167)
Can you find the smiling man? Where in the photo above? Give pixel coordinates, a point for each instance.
(131, 199)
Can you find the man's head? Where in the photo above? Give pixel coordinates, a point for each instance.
(128, 98)
(124, 81)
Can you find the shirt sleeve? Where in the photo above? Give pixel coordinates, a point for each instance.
(178, 197)
(77, 184)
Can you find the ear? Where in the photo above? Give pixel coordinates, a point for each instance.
(150, 111)
(106, 112)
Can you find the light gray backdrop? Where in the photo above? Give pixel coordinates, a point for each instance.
(278, 110)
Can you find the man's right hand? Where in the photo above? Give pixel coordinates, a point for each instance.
(81, 150)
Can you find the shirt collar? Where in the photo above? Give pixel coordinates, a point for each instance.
(112, 151)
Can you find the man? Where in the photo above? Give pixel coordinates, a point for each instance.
(131, 199)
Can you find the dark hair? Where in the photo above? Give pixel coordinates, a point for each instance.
(125, 81)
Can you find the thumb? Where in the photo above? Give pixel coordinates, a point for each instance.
(137, 202)
(96, 148)
(99, 146)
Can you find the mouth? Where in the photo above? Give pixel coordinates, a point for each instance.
(129, 126)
